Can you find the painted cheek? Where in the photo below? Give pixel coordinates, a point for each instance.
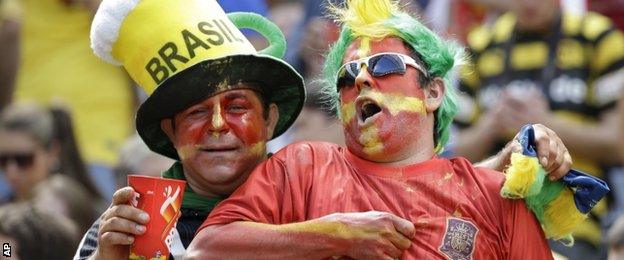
(249, 127)
(189, 138)
(399, 132)
(347, 105)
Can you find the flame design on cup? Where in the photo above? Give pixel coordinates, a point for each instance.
(170, 210)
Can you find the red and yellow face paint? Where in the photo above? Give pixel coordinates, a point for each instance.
(226, 133)
(382, 115)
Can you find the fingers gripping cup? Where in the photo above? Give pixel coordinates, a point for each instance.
(161, 199)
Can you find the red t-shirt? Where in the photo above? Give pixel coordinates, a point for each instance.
(456, 208)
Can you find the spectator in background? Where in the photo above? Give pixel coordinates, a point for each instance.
(316, 124)
(27, 153)
(57, 63)
(35, 143)
(33, 234)
(538, 64)
(136, 158)
(613, 9)
(615, 240)
(621, 138)
(9, 40)
(63, 196)
(69, 157)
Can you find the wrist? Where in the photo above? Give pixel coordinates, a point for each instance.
(335, 234)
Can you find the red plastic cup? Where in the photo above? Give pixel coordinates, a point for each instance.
(161, 199)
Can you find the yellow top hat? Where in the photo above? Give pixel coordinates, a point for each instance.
(183, 51)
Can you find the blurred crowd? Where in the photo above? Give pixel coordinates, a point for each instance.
(66, 118)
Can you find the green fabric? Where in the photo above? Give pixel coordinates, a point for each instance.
(191, 200)
(270, 31)
(537, 185)
(538, 203)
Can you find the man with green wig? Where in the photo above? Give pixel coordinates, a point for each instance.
(386, 195)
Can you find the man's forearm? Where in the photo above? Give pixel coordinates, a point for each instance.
(475, 142)
(495, 162)
(311, 239)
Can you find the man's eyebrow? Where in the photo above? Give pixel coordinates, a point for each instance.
(235, 95)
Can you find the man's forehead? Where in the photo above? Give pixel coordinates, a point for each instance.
(364, 46)
(241, 91)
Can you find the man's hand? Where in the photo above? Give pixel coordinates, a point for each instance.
(120, 223)
(373, 234)
(552, 153)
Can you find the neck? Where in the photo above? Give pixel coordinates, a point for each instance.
(197, 188)
(202, 188)
(422, 151)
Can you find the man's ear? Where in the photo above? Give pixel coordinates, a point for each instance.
(167, 126)
(271, 121)
(434, 94)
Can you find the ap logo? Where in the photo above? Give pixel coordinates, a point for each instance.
(6, 250)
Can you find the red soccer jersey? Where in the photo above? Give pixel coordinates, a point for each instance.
(456, 208)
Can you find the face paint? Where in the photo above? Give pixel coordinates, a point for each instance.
(365, 47)
(222, 138)
(383, 116)
(217, 119)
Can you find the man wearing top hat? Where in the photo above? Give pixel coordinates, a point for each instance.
(214, 104)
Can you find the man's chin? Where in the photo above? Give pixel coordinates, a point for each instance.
(375, 154)
(219, 173)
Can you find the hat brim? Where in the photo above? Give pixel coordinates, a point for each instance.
(280, 84)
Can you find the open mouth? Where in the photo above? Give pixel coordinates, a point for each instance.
(368, 108)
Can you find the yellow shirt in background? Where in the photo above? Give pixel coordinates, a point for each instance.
(57, 64)
(10, 10)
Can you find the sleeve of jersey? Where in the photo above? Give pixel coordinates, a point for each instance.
(607, 66)
(524, 234)
(265, 197)
(89, 243)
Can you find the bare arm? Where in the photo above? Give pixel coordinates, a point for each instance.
(477, 141)
(9, 40)
(366, 235)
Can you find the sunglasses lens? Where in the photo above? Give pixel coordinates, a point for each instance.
(4, 160)
(386, 64)
(346, 76)
(22, 160)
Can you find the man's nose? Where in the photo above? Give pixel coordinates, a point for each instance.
(11, 170)
(363, 79)
(217, 124)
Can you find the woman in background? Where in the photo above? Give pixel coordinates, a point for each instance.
(27, 151)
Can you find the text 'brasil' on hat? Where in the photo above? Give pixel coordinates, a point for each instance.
(183, 51)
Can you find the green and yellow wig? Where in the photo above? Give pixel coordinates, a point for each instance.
(378, 19)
